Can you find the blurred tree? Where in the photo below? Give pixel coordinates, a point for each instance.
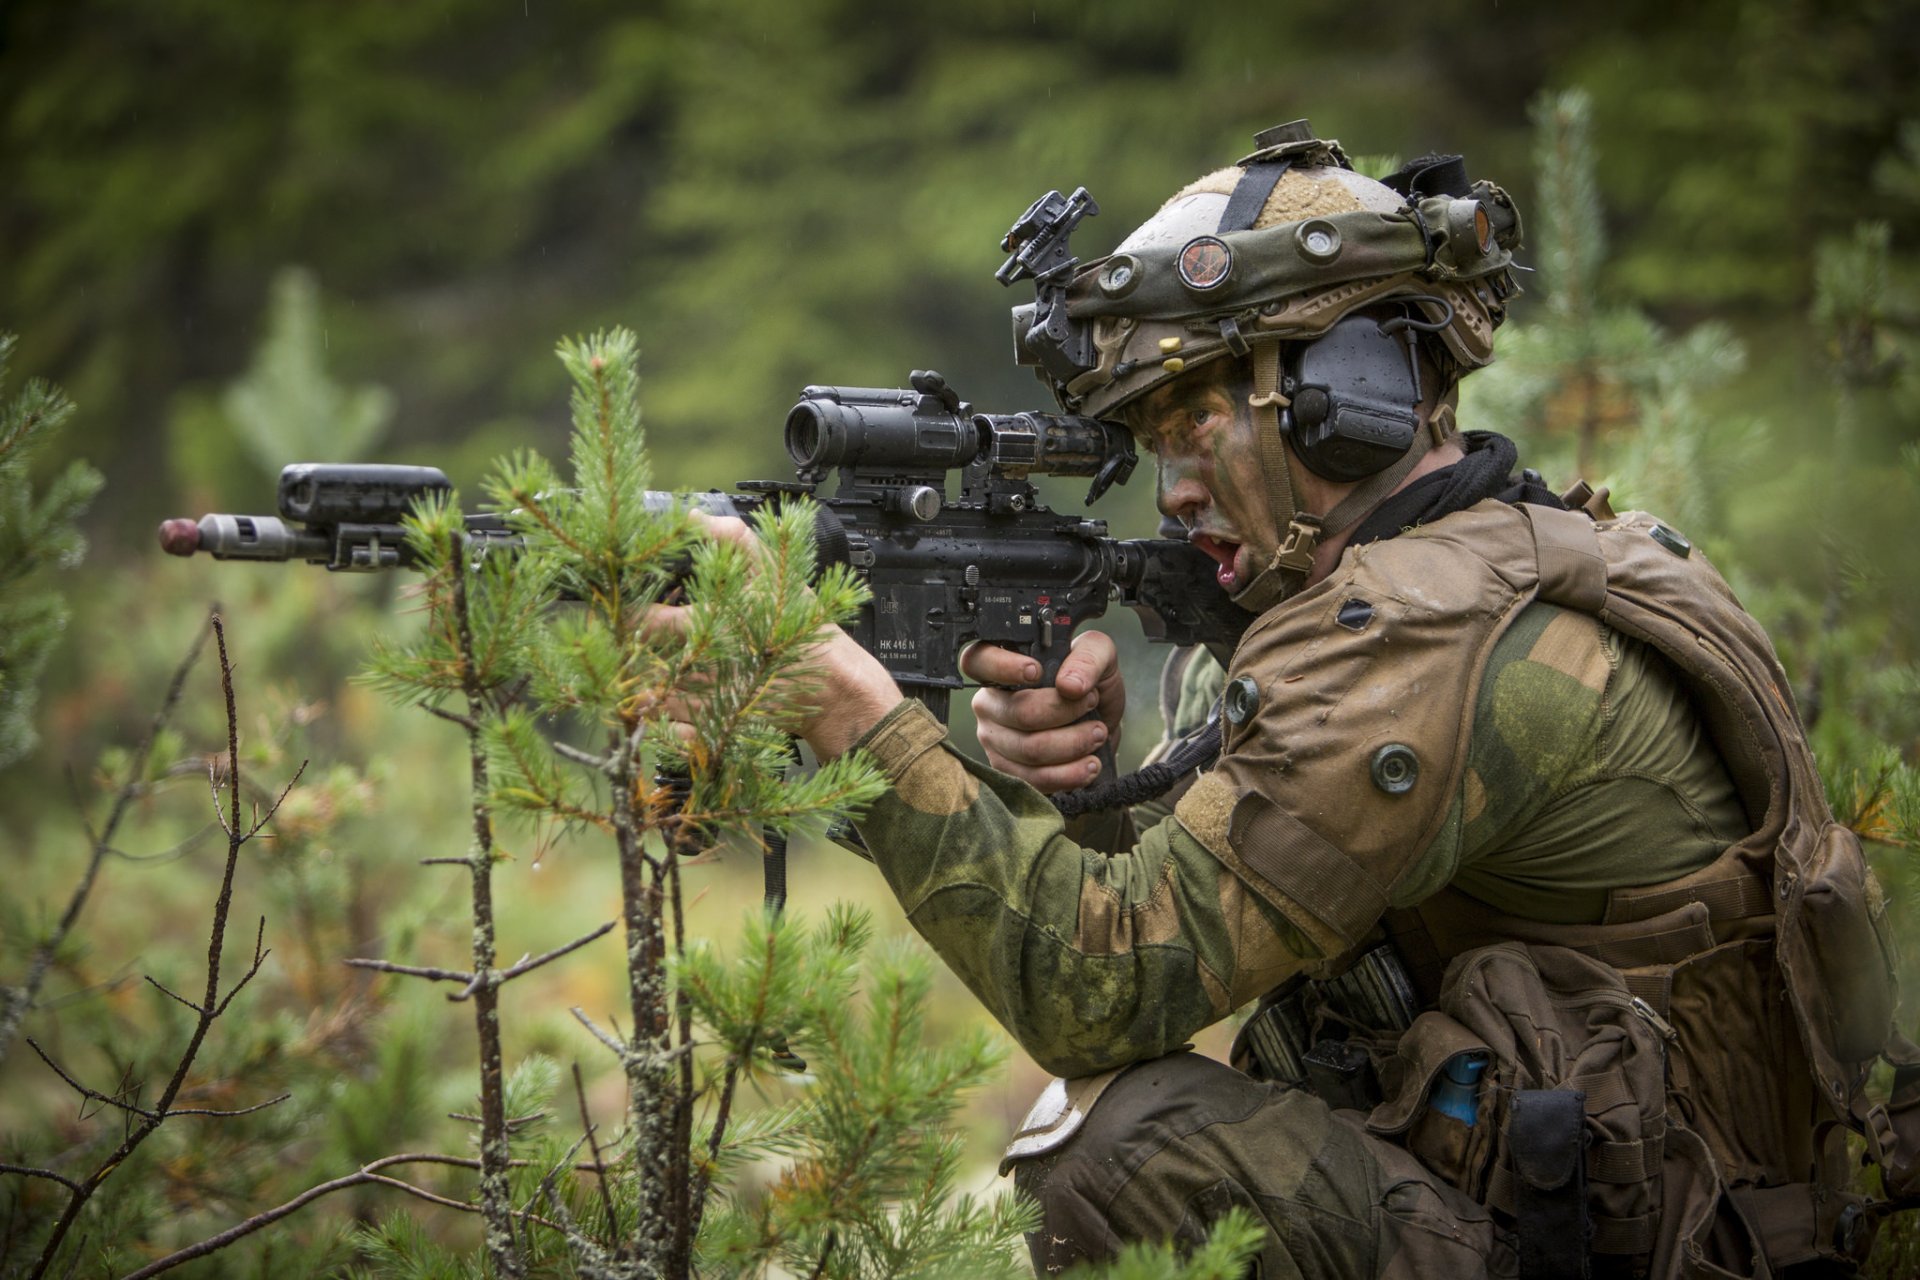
(776, 194)
(38, 532)
(287, 408)
(1600, 389)
(1747, 133)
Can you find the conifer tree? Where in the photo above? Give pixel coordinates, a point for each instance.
(558, 635)
(286, 406)
(38, 531)
(1598, 389)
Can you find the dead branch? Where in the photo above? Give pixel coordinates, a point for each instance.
(496, 978)
(29, 1171)
(411, 970)
(210, 1006)
(465, 722)
(240, 1111)
(164, 989)
(599, 1164)
(91, 1094)
(365, 1174)
(20, 1000)
(604, 1037)
(575, 754)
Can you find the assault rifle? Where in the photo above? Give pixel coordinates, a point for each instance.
(989, 562)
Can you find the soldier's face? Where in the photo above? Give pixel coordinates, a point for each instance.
(1206, 447)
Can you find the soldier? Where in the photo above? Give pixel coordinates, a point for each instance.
(1562, 964)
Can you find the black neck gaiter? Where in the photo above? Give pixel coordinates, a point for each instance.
(1486, 472)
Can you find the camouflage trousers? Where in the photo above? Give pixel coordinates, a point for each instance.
(1172, 1144)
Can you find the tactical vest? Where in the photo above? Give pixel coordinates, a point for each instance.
(1770, 969)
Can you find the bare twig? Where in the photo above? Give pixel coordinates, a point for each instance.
(465, 722)
(31, 1172)
(170, 853)
(162, 987)
(604, 1037)
(262, 819)
(210, 1005)
(599, 1165)
(19, 1000)
(446, 862)
(411, 970)
(242, 1111)
(589, 1257)
(495, 978)
(367, 1173)
(260, 954)
(568, 752)
(81, 1089)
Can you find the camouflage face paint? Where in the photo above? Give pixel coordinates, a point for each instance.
(1205, 443)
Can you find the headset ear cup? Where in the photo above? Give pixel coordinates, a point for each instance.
(1355, 395)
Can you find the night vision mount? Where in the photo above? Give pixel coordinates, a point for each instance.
(1038, 250)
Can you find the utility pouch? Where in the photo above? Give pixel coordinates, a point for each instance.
(1561, 1030)
(1547, 1137)
(1340, 1073)
(1372, 1001)
(1836, 939)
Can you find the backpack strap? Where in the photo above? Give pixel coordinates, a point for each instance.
(1892, 1128)
(1573, 573)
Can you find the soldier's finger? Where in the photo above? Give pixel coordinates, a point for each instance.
(1094, 659)
(663, 621)
(731, 529)
(725, 528)
(990, 664)
(1062, 777)
(679, 708)
(1044, 749)
(1029, 710)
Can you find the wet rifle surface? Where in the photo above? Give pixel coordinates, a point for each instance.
(987, 561)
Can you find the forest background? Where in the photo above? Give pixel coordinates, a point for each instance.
(243, 235)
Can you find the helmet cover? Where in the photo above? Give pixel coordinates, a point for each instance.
(1185, 288)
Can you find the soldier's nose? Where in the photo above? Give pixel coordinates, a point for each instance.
(1181, 498)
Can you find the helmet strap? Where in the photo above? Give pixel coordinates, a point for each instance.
(1286, 572)
(1292, 560)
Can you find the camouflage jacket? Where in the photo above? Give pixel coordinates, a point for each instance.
(1586, 769)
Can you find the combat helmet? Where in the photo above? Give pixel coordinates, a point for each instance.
(1269, 255)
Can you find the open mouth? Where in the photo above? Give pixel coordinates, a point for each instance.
(1223, 552)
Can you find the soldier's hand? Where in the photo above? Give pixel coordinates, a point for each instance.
(849, 691)
(1038, 734)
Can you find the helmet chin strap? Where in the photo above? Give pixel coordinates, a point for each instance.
(1286, 571)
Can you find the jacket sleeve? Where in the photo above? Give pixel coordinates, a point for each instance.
(1090, 960)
